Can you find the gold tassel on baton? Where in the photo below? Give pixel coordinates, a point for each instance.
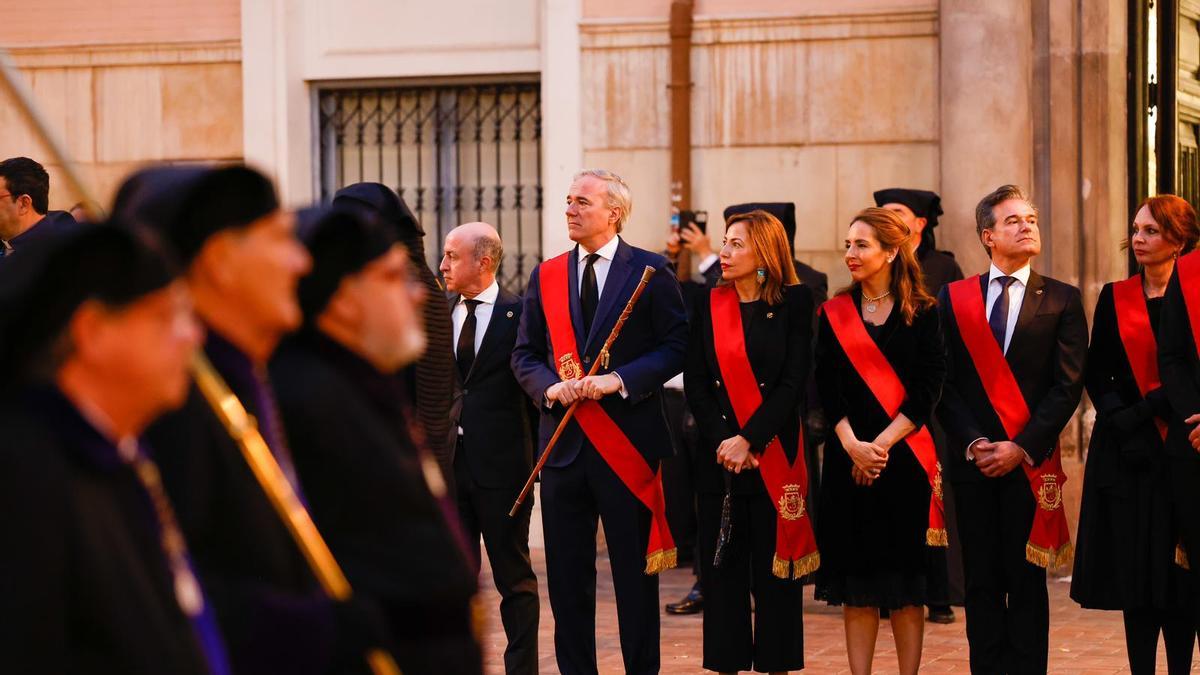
(240, 425)
(562, 424)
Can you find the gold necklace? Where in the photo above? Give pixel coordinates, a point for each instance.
(871, 306)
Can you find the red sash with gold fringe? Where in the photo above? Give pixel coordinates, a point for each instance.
(1049, 542)
(795, 546)
(873, 367)
(610, 442)
(1137, 336)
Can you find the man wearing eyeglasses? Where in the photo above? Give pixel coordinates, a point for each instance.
(24, 200)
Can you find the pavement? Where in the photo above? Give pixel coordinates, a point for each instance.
(1082, 642)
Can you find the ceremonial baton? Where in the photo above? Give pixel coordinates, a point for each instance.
(239, 424)
(244, 431)
(603, 358)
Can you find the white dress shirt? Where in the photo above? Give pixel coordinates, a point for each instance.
(1016, 295)
(709, 261)
(600, 267)
(483, 314)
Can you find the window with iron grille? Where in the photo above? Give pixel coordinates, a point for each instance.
(455, 153)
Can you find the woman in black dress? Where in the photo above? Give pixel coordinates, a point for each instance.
(747, 366)
(1125, 549)
(876, 487)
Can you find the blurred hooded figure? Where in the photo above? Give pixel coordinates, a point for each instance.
(242, 264)
(428, 383)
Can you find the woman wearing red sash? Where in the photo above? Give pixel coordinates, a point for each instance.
(875, 491)
(1125, 550)
(748, 362)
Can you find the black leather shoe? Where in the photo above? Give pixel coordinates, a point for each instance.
(940, 614)
(692, 603)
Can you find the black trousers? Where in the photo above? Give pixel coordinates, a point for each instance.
(484, 514)
(574, 498)
(1142, 628)
(1008, 607)
(771, 638)
(677, 478)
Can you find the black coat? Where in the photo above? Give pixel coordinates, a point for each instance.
(867, 530)
(938, 268)
(779, 347)
(84, 581)
(1179, 368)
(367, 494)
(497, 437)
(1125, 546)
(274, 615)
(1046, 353)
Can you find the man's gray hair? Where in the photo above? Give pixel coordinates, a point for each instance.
(491, 247)
(619, 195)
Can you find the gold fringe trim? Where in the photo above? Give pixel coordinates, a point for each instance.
(1047, 558)
(806, 565)
(661, 560)
(796, 569)
(937, 537)
(1181, 558)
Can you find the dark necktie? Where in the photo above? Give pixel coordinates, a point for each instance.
(589, 295)
(466, 340)
(999, 318)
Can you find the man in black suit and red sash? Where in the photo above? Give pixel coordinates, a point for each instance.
(605, 464)
(1016, 344)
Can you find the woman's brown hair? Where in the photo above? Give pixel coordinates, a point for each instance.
(908, 283)
(1175, 216)
(768, 240)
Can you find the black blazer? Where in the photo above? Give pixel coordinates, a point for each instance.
(1047, 353)
(84, 580)
(651, 350)
(938, 268)
(367, 494)
(779, 346)
(490, 405)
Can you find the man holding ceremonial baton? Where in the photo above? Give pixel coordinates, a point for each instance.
(605, 463)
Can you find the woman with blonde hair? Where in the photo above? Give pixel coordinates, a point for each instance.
(746, 371)
(880, 367)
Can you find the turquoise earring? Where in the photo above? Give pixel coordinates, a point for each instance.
(762, 275)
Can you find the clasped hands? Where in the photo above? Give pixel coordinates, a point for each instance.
(593, 386)
(996, 459)
(734, 454)
(1194, 436)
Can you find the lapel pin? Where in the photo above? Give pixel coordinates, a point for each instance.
(510, 313)
(770, 315)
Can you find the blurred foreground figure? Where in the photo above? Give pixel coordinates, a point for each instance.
(428, 383)
(243, 264)
(364, 475)
(95, 575)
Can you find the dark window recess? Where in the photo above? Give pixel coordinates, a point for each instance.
(454, 153)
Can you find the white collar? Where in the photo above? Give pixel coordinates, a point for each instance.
(487, 296)
(1021, 275)
(606, 251)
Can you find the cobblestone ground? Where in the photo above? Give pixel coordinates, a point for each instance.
(1082, 642)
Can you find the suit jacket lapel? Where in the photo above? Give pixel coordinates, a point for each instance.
(500, 323)
(1029, 307)
(614, 286)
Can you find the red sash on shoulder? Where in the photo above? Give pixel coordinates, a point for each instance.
(612, 443)
(1188, 269)
(873, 367)
(1137, 335)
(1049, 542)
(795, 546)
